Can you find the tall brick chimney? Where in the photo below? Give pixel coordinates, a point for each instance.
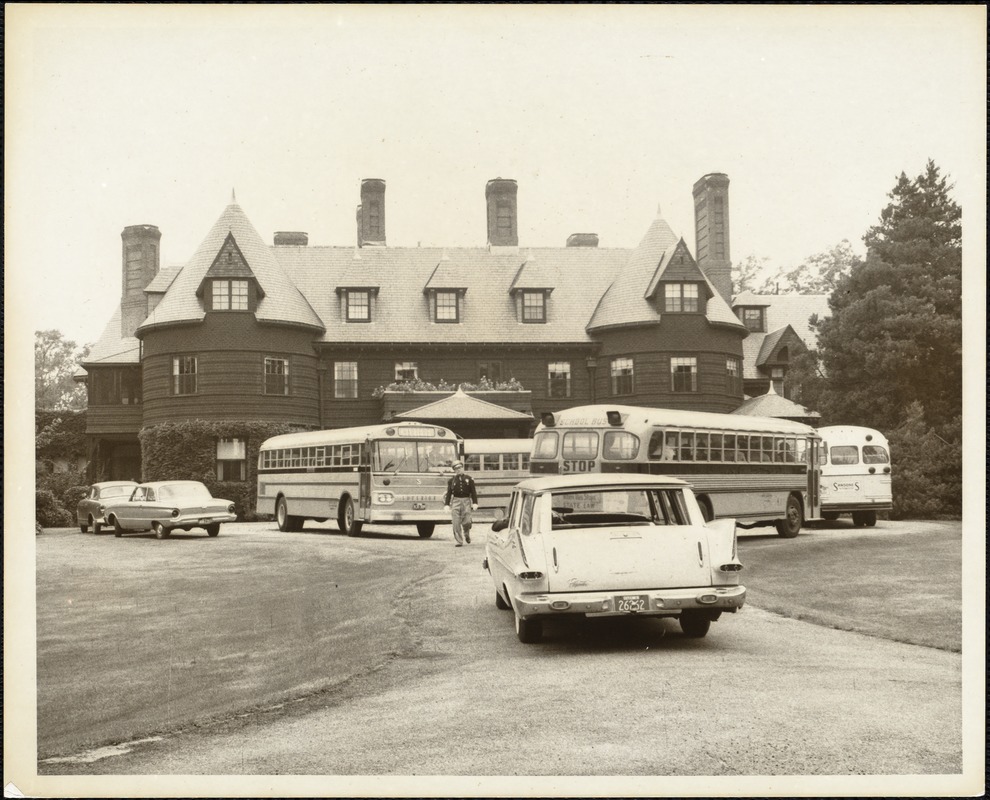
(711, 228)
(140, 260)
(371, 213)
(503, 228)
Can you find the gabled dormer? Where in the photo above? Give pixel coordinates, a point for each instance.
(530, 291)
(229, 283)
(445, 291)
(678, 286)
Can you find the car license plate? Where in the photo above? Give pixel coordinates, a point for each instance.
(632, 603)
(205, 521)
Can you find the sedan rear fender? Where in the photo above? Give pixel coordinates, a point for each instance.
(722, 547)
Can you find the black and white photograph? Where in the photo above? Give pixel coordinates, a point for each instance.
(494, 400)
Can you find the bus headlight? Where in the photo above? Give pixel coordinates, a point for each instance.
(385, 498)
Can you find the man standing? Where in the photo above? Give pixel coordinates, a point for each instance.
(460, 500)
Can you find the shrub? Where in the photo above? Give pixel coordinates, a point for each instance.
(49, 512)
(187, 451)
(38, 530)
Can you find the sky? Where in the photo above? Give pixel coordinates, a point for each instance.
(143, 114)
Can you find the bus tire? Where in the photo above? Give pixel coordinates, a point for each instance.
(345, 518)
(790, 525)
(425, 529)
(867, 518)
(830, 516)
(286, 522)
(706, 508)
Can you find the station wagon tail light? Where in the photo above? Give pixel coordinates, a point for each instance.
(386, 498)
(175, 512)
(530, 576)
(730, 567)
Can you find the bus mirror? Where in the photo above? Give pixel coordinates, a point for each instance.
(547, 419)
(614, 418)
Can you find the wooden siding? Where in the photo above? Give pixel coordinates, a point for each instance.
(230, 382)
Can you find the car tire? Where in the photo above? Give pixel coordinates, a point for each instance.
(790, 525)
(161, 532)
(97, 528)
(213, 530)
(694, 625)
(287, 523)
(117, 530)
(500, 604)
(425, 529)
(529, 631)
(345, 518)
(83, 528)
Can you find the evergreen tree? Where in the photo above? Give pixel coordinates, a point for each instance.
(894, 336)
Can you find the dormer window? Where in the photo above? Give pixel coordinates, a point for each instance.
(357, 303)
(446, 304)
(230, 295)
(754, 319)
(534, 306)
(681, 298)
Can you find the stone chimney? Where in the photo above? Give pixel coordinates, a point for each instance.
(290, 238)
(711, 228)
(140, 261)
(582, 240)
(503, 228)
(371, 213)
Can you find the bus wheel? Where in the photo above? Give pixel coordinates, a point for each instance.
(345, 518)
(706, 508)
(867, 518)
(790, 525)
(286, 522)
(425, 529)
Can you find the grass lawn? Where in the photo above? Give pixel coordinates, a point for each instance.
(904, 586)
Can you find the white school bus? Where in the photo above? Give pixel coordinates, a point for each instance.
(856, 473)
(758, 470)
(496, 466)
(379, 474)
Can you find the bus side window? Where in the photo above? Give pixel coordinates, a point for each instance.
(524, 461)
(875, 454)
(730, 447)
(701, 447)
(716, 450)
(743, 452)
(655, 449)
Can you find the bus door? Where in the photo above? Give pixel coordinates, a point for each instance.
(364, 482)
(814, 509)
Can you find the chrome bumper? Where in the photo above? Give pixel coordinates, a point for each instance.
(664, 602)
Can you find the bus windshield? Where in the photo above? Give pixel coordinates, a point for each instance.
(408, 455)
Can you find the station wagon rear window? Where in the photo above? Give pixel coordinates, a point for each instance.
(618, 507)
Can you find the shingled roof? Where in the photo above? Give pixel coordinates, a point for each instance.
(281, 302)
(626, 300)
(773, 405)
(782, 311)
(461, 406)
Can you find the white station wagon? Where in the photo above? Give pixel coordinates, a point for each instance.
(612, 545)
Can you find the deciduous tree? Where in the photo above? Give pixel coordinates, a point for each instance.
(55, 360)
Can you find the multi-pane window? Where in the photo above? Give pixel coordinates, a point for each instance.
(114, 387)
(559, 379)
(490, 370)
(231, 460)
(680, 297)
(448, 309)
(733, 375)
(345, 379)
(406, 371)
(622, 376)
(753, 319)
(358, 305)
(184, 370)
(684, 374)
(230, 295)
(276, 376)
(534, 307)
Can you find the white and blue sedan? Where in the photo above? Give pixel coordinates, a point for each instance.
(610, 546)
(165, 506)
